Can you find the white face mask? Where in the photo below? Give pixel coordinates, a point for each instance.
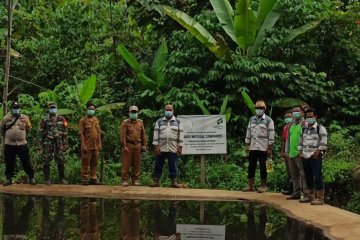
(259, 112)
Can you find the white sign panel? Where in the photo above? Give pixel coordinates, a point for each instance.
(201, 232)
(204, 134)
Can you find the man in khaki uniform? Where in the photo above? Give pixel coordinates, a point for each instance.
(14, 128)
(90, 137)
(133, 141)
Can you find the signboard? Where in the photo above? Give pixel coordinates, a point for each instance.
(204, 134)
(201, 232)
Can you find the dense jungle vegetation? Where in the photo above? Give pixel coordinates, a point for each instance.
(120, 53)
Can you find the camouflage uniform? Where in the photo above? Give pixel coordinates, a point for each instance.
(53, 139)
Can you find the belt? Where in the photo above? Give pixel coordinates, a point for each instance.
(134, 143)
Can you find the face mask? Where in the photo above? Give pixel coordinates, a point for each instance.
(311, 121)
(52, 111)
(168, 114)
(133, 116)
(90, 112)
(296, 115)
(15, 111)
(288, 119)
(259, 112)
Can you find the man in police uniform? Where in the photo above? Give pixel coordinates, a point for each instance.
(133, 141)
(14, 128)
(90, 138)
(53, 135)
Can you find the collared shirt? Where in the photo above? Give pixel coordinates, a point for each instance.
(16, 135)
(168, 134)
(260, 133)
(133, 131)
(90, 128)
(311, 141)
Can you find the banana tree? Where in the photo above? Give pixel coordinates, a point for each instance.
(81, 92)
(154, 78)
(246, 27)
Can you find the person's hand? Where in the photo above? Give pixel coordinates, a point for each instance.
(269, 152)
(100, 147)
(247, 148)
(179, 151)
(301, 155)
(125, 149)
(144, 148)
(156, 150)
(84, 148)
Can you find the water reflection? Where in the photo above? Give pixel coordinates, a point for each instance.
(88, 218)
(16, 228)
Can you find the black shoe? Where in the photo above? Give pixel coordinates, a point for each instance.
(8, 182)
(47, 182)
(32, 181)
(63, 181)
(94, 182)
(286, 192)
(293, 197)
(84, 182)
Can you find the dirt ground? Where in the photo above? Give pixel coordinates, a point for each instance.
(335, 223)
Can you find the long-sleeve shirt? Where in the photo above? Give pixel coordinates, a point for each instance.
(168, 134)
(260, 133)
(311, 140)
(132, 131)
(89, 127)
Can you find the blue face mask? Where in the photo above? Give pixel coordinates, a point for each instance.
(133, 116)
(52, 111)
(311, 120)
(288, 119)
(296, 115)
(169, 114)
(259, 112)
(15, 111)
(90, 112)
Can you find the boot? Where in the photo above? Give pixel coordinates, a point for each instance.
(310, 196)
(319, 200)
(174, 183)
(46, 170)
(155, 182)
(263, 186)
(250, 186)
(61, 170)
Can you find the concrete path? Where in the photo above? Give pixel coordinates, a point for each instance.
(335, 223)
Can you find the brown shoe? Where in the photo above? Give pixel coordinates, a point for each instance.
(174, 183)
(319, 200)
(155, 182)
(136, 183)
(250, 186)
(124, 183)
(308, 197)
(294, 196)
(263, 186)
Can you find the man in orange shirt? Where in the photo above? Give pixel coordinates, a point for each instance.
(133, 141)
(90, 137)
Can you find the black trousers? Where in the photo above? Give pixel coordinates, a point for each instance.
(313, 173)
(10, 152)
(254, 156)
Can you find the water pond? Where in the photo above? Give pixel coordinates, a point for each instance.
(39, 217)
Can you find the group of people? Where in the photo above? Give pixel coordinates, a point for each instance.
(303, 144)
(53, 143)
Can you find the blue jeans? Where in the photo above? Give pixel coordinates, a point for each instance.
(172, 161)
(313, 173)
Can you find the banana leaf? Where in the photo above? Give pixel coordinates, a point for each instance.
(147, 82)
(65, 111)
(265, 7)
(200, 104)
(301, 30)
(87, 89)
(159, 63)
(245, 24)
(198, 31)
(225, 14)
(287, 102)
(249, 103)
(224, 104)
(269, 22)
(129, 58)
